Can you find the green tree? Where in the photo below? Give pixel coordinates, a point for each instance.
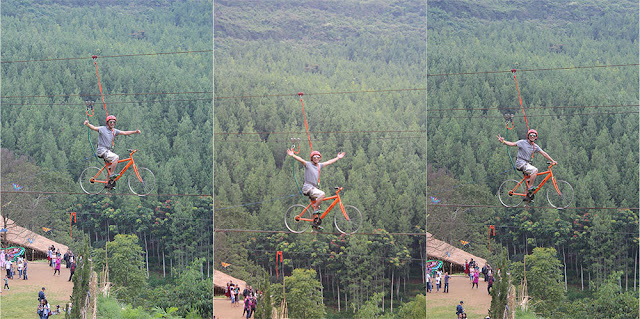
(414, 309)
(303, 295)
(126, 267)
(544, 280)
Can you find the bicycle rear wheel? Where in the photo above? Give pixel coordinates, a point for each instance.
(296, 226)
(348, 226)
(510, 200)
(562, 200)
(89, 187)
(143, 186)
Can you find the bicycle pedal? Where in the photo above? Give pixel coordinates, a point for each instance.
(318, 227)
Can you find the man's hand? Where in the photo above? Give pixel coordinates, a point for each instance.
(85, 122)
(137, 131)
(290, 152)
(500, 138)
(341, 155)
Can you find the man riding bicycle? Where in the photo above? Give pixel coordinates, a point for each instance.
(526, 149)
(311, 176)
(106, 139)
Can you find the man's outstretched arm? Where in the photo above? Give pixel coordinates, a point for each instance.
(296, 157)
(333, 160)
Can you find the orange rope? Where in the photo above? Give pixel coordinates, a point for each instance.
(520, 98)
(305, 120)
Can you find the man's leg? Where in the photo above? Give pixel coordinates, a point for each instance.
(113, 165)
(532, 177)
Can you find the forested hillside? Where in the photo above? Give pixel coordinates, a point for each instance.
(586, 116)
(48, 74)
(343, 55)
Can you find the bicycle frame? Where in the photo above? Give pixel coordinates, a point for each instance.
(336, 200)
(549, 174)
(129, 162)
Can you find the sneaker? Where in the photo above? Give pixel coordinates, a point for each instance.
(110, 184)
(113, 176)
(317, 227)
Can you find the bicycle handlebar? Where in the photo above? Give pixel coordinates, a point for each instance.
(131, 151)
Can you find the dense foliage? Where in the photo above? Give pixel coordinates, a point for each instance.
(167, 96)
(587, 119)
(282, 48)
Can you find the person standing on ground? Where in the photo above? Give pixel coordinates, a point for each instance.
(24, 271)
(437, 283)
(41, 294)
(20, 266)
(459, 309)
(446, 282)
(6, 282)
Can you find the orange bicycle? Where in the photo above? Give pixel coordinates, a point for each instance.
(511, 193)
(94, 180)
(298, 218)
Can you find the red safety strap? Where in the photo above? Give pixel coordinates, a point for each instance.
(278, 254)
(520, 98)
(304, 115)
(72, 219)
(95, 61)
(492, 228)
(306, 127)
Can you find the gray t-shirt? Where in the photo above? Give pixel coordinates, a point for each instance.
(105, 139)
(525, 152)
(311, 175)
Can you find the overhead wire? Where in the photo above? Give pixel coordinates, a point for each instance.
(111, 94)
(540, 207)
(103, 194)
(223, 230)
(536, 69)
(108, 56)
(111, 103)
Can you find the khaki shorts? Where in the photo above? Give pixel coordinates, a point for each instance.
(109, 156)
(314, 193)
(527, 168)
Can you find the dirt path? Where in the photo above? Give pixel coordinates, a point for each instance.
(222, 309)
(476, 301)
(24, 293)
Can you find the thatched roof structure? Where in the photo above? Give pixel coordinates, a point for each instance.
(19, 236)
(437, 249)
(221, 279)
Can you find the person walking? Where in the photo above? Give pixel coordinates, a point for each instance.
(73, 270)
(6, 282)
(57, 269)
(490, 284)
(476, 278)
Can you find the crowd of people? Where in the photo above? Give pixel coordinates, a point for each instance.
(20, 264)
(472, 269)
(249, 295)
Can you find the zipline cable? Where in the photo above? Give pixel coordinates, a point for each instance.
(109, 56)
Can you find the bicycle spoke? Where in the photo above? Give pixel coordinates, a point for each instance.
(348, 226)
(296, 226)
(143, 185)
(564, 198)
(511, 200)
(93, 187)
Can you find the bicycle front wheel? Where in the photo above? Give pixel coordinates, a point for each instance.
(145, 184)
(94, 187)
(506, 196)
(296, 226)
(564, 198)
(348, 226)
